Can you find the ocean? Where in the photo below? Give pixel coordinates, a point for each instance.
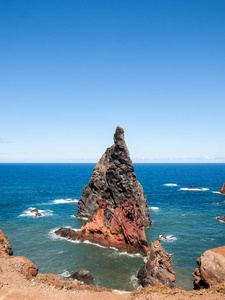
(186, 217)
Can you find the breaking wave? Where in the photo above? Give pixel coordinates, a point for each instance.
(64, 201)
(155, 208)
(217, 193)
(54, 236)
(167, 238)
(194, 189)
(31, 213)
(171, 184)
(134, 282)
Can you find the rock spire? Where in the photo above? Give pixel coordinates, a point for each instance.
(157, 269)
(113, 180)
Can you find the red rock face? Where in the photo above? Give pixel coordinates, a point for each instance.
(124, 231)
(5, 247)
(222, 191)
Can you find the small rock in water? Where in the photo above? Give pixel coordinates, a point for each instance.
(221, 219)
(36, 212)
(163, 236)
(83, 275)
(194, 188)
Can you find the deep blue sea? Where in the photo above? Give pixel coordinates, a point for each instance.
(186, 217)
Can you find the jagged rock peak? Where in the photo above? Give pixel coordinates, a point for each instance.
(118, 135)
(157, 269)
(113, 180)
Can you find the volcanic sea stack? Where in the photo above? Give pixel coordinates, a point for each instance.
(113, 180)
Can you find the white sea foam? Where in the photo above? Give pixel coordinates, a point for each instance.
(30, 213)
(217, 193)
(65, 274)
(155, 208)
(64, 201)
(134, 282)
(183, 215)
(129, 254)
(73, 216)
(54, 236)
(171, 184)
(194, 189)
(168, 238)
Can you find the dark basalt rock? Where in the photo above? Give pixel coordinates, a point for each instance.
(83, 275)
(157, 269)
(112, 180)
(67, 233)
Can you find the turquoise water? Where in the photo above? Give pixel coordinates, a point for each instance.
(187, 217)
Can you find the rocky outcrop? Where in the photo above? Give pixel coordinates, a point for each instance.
(221, 219)
(84, 276)
(112, 180)
(124, 230)
(5, 247)
(36, 212)
(222, 190)
(20, 264)
(157, 269)
(194, 188)
(211, 268)
(25, 266)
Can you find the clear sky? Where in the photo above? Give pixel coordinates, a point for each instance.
(72, 70)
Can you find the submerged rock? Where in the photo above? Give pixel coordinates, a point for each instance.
(113, 180)
(157, 269)
(211, 269)
(222, 190)
(83, 275)
(124, 231)
(5, 247)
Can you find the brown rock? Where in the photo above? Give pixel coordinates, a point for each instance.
(194, 188)
(222, 219)
(25, 266)
(36, 212)
(124, 231)
(157, 269)
(211, 270)
(5, 247)
(222, 191)
(113, 180)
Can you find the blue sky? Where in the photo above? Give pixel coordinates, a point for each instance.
(71, 71)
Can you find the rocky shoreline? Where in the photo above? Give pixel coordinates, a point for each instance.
(19, 279)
